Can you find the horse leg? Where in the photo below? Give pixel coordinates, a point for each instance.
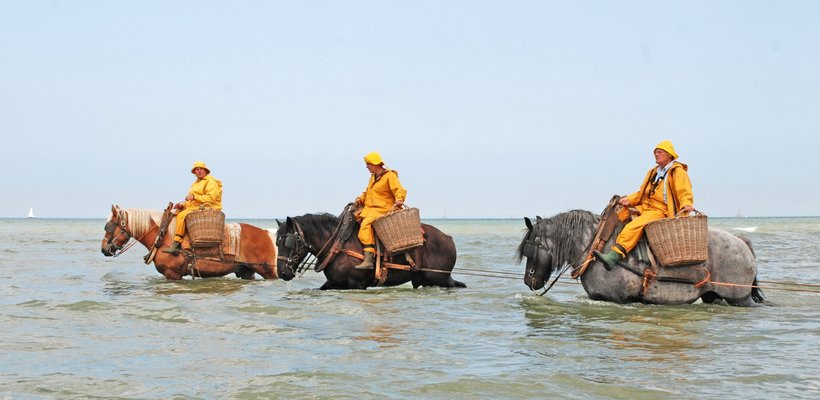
(757, 293)
(709, 297)
(432, 278)
(712, 297)
(171, 274)
(243, 271)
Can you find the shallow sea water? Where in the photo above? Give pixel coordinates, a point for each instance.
(79, 325)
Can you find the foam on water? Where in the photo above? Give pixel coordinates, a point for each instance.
(749, 229)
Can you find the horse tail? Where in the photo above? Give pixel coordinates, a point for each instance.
(757, 292)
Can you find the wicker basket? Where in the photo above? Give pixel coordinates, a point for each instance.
(206, 227)
(679, 241)
(400, 230)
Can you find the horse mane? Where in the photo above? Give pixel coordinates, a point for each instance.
(565, 231)
(139, 220)
(317, 222)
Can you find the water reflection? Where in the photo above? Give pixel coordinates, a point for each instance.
(200, 286)
(653, 335)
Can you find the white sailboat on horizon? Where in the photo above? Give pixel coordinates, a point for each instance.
(31, 213)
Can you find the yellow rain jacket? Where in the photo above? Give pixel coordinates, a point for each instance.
(378, 198)
(670, 195)
(676, 187)
(380, 194)
(207, 190)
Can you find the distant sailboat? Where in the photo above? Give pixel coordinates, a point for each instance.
(31, 213)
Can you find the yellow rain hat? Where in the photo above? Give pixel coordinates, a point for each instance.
(373, 158)
(666, 146)
(200, 164)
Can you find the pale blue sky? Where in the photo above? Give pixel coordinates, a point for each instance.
(486, 108)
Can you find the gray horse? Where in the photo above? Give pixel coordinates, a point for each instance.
(564, 240)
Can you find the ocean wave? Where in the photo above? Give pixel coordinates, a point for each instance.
(748, 229)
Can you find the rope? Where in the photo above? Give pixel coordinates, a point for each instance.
(727, 284)
(516, 276)
(131, 243)
(789, 283)
(554, 281)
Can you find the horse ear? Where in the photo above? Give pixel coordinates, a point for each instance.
(278, 223)
(528, 223)
(288, 221)
(114, 208)
(537, 219)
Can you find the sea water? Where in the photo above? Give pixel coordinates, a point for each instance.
(76, 324)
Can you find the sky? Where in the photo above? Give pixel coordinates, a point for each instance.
(487, 109)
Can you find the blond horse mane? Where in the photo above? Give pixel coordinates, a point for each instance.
(139, 220)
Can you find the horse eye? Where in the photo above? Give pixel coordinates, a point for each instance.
(529, 249)
(543, 254)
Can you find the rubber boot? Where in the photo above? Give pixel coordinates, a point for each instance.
(367, 263)
(174, 249)
(609, 259)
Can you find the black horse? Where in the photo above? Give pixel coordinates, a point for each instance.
(334, 243)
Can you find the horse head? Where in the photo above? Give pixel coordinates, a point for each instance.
(554, 242)
(539, 256)
(116, 232)
(292, 248)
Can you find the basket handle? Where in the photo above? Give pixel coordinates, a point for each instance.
(683, 214)
(396, 208)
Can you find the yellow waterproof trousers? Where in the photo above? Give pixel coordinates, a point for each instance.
(180, 231)
(366, 235)
(629, 236)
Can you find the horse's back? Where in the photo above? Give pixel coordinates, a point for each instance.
(731, 258)
(257, 244)
(437, 241)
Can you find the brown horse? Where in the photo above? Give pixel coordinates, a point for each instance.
(334, 243)
(256, 252)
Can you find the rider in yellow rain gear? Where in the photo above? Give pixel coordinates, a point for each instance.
(205, 191)
(383, 193)
(665, 191)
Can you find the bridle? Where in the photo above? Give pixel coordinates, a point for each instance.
(298, 249)
(110, 227)
(532, 250)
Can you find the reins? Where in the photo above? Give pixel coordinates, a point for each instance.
(130, 243)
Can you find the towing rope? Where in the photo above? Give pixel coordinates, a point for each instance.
(778, 285)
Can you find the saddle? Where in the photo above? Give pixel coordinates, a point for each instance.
(613, 218)
(347, 224)
(228, 244)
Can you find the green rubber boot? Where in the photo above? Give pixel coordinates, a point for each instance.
(174, 249)
(367, 263)
(609, 259)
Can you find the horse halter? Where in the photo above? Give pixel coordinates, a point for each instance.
(298, 249)
(533, 250)
(111, 226)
